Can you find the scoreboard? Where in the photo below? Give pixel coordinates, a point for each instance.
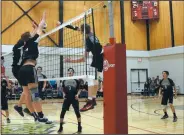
(144, 9)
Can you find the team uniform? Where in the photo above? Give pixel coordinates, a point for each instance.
(70, 88)
(23, 52)
(167, 90)
(93, 45)
(27, 73)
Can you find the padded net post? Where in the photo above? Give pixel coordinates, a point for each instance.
(115, 84)
(115, 90)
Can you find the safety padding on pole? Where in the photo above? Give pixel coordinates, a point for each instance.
(115, 90)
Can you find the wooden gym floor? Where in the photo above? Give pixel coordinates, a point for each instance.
(143, 118)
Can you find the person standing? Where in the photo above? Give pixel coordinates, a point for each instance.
(166, 89)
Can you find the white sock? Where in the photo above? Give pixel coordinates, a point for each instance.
(90, 98)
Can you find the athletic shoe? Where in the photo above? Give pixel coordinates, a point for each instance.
(60, 130)
(165, 117)
(19, 110)
(26, 110)
(44, 120)
(79, 129)
(89, 105)
(175, 119)
(94, 102)
(48, 122)
(8, 120)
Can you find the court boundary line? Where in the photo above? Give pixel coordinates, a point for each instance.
(102, 119)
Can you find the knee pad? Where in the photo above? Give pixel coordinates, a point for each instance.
(34, 94)
(62, 113)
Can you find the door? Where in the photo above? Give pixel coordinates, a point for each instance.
(138, 78)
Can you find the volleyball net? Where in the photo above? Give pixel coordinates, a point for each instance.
(67, 43)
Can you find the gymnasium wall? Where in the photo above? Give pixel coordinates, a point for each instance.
(178, 18)
(10, 14)
(160, 31)
(132, 63)
(135, 32)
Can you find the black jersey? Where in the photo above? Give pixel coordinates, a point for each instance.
(93, 45)
(30, 50)
(17, 52)
(70, 88)
(4, 85)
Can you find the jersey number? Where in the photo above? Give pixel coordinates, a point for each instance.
(69, 87)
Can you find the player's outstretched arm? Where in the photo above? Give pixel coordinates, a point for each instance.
(33, 33)
(83, 59)
(69, 26)
(42, 24)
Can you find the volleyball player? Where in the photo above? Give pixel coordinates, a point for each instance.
(71, 89)
(166, 87)
(4, 86)
(27, 73)
(92, 45)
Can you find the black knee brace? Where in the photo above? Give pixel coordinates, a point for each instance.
(62, 114)
(77, 113)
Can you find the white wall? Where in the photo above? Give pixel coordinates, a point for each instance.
(132, 63)
(172, 63)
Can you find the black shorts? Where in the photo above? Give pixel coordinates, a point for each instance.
(27, 74)
(98, 62)
(166, 97)
(68, 102)
(4, 103)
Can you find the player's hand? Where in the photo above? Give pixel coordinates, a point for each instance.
(58, 23)
(67, 60)
(34, 25)
(76, 97)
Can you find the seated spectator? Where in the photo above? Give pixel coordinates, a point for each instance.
(60, 89)
(53, 83)
(157, 84)
(152, 87)
(147, 87)
(84, 92)
(16, 86)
